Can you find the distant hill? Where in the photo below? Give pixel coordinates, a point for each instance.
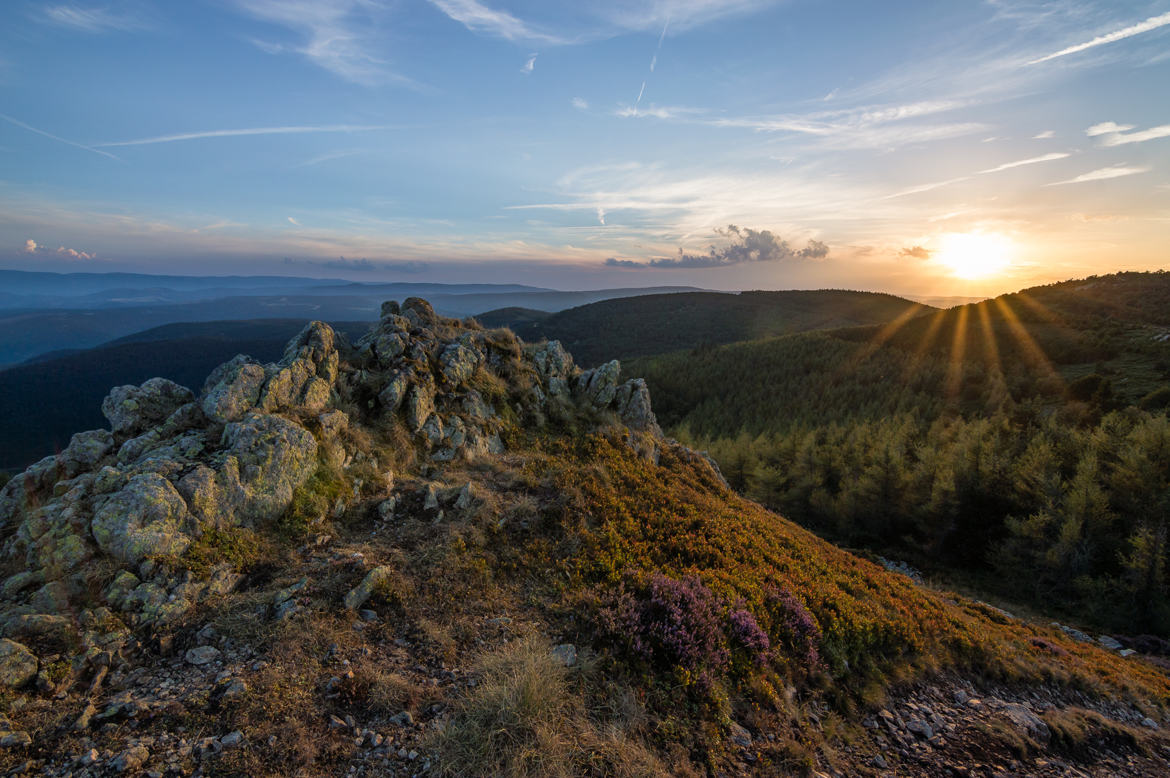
(942, 301)
(1116, 326)
(90, 318)
(43, 403)
(656, 324)
(512, 318)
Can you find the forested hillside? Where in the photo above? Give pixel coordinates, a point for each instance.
(656, 324)
(1023, 440)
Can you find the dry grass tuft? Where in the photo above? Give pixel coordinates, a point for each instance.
(525, 720)
(1078, 731)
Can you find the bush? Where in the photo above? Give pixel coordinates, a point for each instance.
(793, 626)
(682, 626)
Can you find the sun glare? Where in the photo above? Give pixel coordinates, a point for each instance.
(974, 255)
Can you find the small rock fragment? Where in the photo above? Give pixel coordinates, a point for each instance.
(201, 655)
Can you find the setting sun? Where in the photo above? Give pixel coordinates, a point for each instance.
(975, 255)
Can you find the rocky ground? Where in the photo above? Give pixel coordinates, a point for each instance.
(266, 578)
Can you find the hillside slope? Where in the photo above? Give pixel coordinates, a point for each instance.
(443, 551)
(656, 324)
(1022, 442)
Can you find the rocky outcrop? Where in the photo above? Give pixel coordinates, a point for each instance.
(146, 518)
(131, 409)
(232, 389)
(105, 526)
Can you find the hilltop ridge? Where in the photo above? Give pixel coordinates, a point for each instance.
(439, 549)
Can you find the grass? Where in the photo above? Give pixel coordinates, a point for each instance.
(525, 719)
(1077, 731)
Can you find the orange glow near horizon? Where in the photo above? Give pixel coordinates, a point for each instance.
(974, 256)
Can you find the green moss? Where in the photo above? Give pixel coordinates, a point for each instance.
(312, 503)
(241, 548)
(57, 671)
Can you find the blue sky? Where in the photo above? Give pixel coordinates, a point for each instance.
(575, 145)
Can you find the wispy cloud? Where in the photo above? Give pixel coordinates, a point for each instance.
(1105, 173)
(340, 36)
(30, 246)
(329, 156)
(657, 112)
(660, 203)
(915, 252)
(1044, 135)
(1022, 162)
(1117, 135)
(1153, 23)
(529, 64)
(57, 138)
(842, 121)
(290, 130)
(91, 19)
(1106, 128)
(580, 103)
(998, 168)
(477, 17)
(293, 222)
(863, 127)
(682, 14)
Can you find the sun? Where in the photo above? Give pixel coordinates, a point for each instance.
(974, 255)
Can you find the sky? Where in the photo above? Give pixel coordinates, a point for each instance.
(928, 148)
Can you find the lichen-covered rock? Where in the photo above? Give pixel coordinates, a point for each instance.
(387, 341)
(305, 375)
(40, 626)
(394, 392)
(146, 519)
(131, 409)
(419, 312)
(1027, 721)
(85, 451)
(331, 444)
(458, 363)
(267, 458)
(18, 665)
(432, 429)
(420, 404)
(275, 456)
(633, 406)
(233, 389)
(599, 385)
(555, 366)
(374, 580)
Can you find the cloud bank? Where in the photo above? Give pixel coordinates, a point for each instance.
(743, 245)
(916, 252)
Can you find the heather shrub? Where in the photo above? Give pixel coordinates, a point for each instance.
(795, 632)
(683, 627)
